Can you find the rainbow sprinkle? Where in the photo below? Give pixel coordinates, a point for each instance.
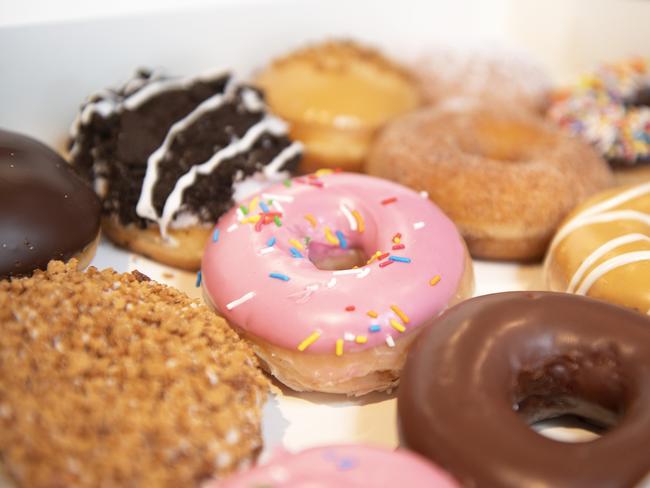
(390, 341)
(372, 313)
(271, 242)
(264, 207)
(389, 200)
(396, 325)
(385, 263)
(297, 244)
(350, 308)
(339, 347)
(198, 279)
(361, 225)
(276, 219)
(279, 276)
(330, 237)
(309, 340)
(361, 339)
(374, 328)
(215, 235)
(400, 313)
(342, 242)
(311, 219)
(295, 253)
(435, 280)
(400, 259)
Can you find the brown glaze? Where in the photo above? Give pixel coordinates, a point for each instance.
(493, 364)
(46, 211)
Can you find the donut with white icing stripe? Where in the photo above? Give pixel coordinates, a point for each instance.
(603, 249)
(331, 276)
(169, 156)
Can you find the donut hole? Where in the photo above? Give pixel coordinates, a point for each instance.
(583, 393)
(331, 258)
(641, 98)
(501, 140)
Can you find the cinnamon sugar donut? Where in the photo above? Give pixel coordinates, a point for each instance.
(505, 178)
(335, 96)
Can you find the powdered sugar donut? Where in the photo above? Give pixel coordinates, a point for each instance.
(345, 467)
(273, 269)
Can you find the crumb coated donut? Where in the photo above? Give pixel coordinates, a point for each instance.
(611, 109)
(335, 95)
(505, 178)
(332, 276)
(493, 365)
(168, 156)
(343, 466)
(46, 210)
(487, 73)
(111, 379)
(603, 249)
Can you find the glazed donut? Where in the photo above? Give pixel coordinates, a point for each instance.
(346, 466)
(493, 364)
(603, 249)
(506, 179)
(611, 109)
(46, 211)
(335, 96)
(491, 74)
(111, 379)
(292, 277)
(168, 156)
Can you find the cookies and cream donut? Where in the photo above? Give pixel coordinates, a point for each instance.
(506, 179)
(332, 277)
(603, 249)
(46, 210)
(169, 156)
(111, 379)
(343, 466)
(491, 366)
(610, 108)
(335, 95)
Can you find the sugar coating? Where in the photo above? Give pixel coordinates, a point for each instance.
(111, 379)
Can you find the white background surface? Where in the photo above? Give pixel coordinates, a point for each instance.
(53, 54)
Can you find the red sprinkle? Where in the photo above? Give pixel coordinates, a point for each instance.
(350, 308)
(319, 184)
(383, 256)
(398, 246)
(258, 225)
(389, 200)
(312, 177)
(385, 263)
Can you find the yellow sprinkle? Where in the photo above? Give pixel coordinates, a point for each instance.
(434, 281)
(400, 313)
(311, 219)
(361, 339)
(373, 257)
(372, 313)
(324, 171)
(296, 243)
(309, 341)
(396, 240)
(253, 205)
(397, 326)
(339, 347)
(361, 225)
(251, 220)
(331, 238)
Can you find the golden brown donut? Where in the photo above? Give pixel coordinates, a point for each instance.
(335, 95)
(507, 179)
(603, 249)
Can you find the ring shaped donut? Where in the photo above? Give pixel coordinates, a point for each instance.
(311, 324)
(493, 364)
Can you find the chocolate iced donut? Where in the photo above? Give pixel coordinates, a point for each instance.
(491, 365)
(46, 211)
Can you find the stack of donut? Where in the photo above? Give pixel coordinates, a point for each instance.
(329, 280)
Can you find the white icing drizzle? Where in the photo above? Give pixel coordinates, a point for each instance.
(599, 253)
(145, 208)
(609, 265)
(239, 301)
(174, 200)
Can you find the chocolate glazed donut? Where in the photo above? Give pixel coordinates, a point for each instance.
(493, 364)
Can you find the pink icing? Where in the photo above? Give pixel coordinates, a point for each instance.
(237, 264)
(344, 467)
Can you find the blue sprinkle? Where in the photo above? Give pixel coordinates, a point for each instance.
(198, 279)
(342, 242)
(270, 242)
(215, 235)
(374, 328)
(294, 252)
(400, 259)
(346, 463)
(264, 206)
(279, 276)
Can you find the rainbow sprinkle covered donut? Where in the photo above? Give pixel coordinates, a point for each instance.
(610, 109)
(331, 276)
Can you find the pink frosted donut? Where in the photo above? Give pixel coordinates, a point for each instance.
(343, 467)
(271, 271)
